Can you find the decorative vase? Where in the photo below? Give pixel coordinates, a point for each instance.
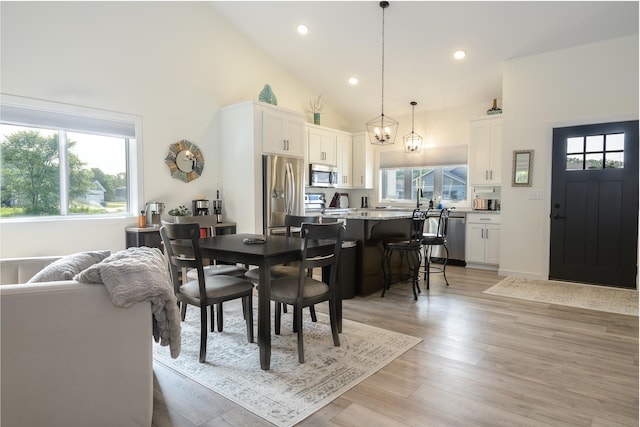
(267, 95)
(316, 118)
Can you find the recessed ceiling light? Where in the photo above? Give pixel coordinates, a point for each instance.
(353, 81)
(302, 29)
(459, 54)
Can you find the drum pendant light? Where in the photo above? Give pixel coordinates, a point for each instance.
(412, 141)
(382, 130)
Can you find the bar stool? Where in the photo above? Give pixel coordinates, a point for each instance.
(410, 251)
(436, 236)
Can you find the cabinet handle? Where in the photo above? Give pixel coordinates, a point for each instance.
(486, 234)
(486, 175)
(491, 174)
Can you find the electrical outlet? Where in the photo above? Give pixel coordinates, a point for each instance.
(535, 195)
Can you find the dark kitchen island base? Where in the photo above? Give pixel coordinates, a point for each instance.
(370, 235)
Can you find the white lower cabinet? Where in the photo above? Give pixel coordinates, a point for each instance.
(482, 240)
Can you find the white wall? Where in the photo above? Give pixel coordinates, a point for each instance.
(173, 63)
(586, 84)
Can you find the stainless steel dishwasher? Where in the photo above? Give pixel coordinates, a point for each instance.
(456, 229)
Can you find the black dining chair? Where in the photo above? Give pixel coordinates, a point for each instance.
(303, 291)
(436, 236)
(214, 269)
(410, 251)
(182, 247)
(291, 222)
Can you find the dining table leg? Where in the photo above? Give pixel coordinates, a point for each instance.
(264, 317)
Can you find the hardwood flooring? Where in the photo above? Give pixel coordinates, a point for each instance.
(484, 361)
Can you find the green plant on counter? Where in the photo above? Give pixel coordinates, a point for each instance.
(180, 211)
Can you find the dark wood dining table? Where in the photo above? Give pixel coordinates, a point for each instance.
(274, 251)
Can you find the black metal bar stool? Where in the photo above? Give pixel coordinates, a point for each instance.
(436, 235)
(410, 251)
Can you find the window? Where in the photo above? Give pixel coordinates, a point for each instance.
(441, 174)
(437, 183)
(604, 151)
(62, 160)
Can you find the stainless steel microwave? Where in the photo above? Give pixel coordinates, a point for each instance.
(322, 175)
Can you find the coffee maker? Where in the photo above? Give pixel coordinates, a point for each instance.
(217, 209)
(200, 207)
(153, 212)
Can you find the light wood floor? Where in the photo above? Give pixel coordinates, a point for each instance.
(484, 361)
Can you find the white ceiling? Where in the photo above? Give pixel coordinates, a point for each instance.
(345, 39)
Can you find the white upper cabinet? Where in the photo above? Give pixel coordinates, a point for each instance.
(345, 154)
(362, 161)
(322, 145)
(485, 155)
(282, 132)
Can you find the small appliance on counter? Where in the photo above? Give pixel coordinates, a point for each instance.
(314, 203)
(153, 212)
(217, 210)
(200, 207)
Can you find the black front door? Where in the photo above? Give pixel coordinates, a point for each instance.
(594, 204)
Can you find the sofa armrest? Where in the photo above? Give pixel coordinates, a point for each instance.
(20, 270)
(70, 357)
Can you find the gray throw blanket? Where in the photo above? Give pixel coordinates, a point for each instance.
(141, 274)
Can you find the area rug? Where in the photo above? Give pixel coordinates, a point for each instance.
(289, 391)
(593, 297)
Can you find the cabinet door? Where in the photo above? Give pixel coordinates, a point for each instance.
(322, 147)
(485, 147)
(475, 243)
(492, 244)
(344, 154)
(362, 162)
(479, 153)
(294, 135)
(282, 133)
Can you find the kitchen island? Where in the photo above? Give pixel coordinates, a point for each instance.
(370, 228)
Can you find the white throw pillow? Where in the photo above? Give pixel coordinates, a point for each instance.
(67, 267)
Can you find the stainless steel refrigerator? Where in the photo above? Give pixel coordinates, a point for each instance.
(282, 192)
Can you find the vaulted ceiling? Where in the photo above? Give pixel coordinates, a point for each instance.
(345, 39)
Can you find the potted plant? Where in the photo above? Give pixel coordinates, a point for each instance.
(315, 107)
(178, 212)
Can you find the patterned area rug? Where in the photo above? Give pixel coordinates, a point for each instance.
(289, 391)
(593, 297)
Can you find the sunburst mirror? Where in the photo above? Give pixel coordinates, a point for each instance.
(185, 161)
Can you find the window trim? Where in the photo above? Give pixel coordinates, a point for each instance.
(126, 123)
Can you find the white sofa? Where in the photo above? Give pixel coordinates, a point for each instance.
(69, 356)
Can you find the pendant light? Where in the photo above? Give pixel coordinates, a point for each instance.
(382, 130)
(412, 141)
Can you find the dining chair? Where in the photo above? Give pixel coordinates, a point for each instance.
(278, 271)
(410, 251)
(182, 246)
(212, 269)
(302, 290)
(215, 269)
(436, 235)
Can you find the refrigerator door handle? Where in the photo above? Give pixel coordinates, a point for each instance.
(289, 189)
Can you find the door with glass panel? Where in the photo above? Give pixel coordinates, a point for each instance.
(594, 204)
